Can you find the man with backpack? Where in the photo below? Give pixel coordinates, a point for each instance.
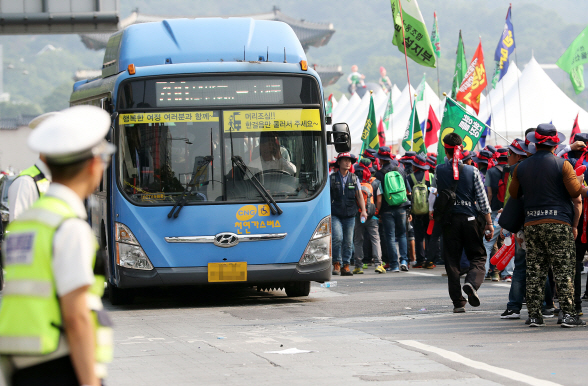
(496, 181)
(460, 193)
(346, 197)
(420, 181)
(393, 211)
(372, 196)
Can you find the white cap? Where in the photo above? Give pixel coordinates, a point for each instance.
(37, 121)
(70, 135)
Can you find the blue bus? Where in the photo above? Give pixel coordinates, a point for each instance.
(221, 172)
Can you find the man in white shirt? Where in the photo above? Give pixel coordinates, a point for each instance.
(270, 156)
(25, 189)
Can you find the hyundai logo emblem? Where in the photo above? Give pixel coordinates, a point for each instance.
(226, 240)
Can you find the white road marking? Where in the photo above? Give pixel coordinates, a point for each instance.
(501, 285)
(421, 274)
(450, 355)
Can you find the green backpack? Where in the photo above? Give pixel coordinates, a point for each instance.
(394, 188)
(420, 195)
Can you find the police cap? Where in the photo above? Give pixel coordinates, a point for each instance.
(72, 135)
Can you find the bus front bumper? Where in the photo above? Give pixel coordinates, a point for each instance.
(256, 275)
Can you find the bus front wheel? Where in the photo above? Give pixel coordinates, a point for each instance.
(118, 296)
(301, 288)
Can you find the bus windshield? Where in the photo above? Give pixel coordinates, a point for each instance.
(161, 153)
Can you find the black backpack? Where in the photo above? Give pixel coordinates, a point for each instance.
(445, 201)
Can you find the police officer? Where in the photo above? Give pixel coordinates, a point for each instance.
(53, 329)
(32, 183)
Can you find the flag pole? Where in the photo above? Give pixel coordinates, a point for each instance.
(438, 86)
(465, 111)
(405, 54)
(518, 83)
(491, 111)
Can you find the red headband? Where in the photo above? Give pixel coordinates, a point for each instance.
(545, 138)
(366, 174)
(516, 144)
(491, 161)
(384, 153)
(456, 157)
(419, 162)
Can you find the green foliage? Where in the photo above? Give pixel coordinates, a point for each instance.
(15, 110)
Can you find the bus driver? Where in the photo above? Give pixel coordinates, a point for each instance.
(271, 156)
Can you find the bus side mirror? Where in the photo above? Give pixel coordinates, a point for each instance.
(340, 137)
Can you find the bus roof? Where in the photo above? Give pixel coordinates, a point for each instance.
(201, 40)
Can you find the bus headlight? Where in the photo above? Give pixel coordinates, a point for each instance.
(129, 253)
(319, 246)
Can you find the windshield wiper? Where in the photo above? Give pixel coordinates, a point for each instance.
(196, 175)
(265, 195)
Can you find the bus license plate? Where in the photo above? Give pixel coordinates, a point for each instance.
(225, 272)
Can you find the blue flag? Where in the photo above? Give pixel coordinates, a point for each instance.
(486, 132)
(505, 48)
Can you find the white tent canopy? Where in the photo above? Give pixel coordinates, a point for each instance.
(541, 101)
(495, 96)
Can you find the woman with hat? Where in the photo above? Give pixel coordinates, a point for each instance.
(345, 198)
(550, 223)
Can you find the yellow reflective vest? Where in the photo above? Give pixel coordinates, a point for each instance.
(41, 181)
(30, 315)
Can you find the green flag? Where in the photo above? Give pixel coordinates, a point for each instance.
(461, 67)
(369, 136)
(407, 139)
(573, 60)
(389, 111)
(421, 89)
(457, 120)
(496, 77)
(418, 141)
(329, 106)
(415, 35)
(435, 37)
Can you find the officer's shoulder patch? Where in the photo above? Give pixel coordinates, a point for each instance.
(19, 248)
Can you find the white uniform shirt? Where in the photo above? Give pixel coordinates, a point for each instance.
(23, 192)
(274, 164)
(74, 247)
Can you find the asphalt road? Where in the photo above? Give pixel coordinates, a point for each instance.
(395, 328)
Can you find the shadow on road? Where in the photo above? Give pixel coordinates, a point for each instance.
(203, 297)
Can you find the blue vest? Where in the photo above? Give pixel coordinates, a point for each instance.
(465, 194)
(541, 181)
(343, 202)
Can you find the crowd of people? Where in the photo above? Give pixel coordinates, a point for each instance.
(396, 213)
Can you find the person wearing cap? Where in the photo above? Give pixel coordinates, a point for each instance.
(485, 160)
(579, 158)
(495, 174)
(393, 218)
(550, 225)
(406, 162)
(53, 329)
(462, 228)
(467, 157)
(421, 175)
(369, 228)
(32, 183)
(345, 198)
(517, 152)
